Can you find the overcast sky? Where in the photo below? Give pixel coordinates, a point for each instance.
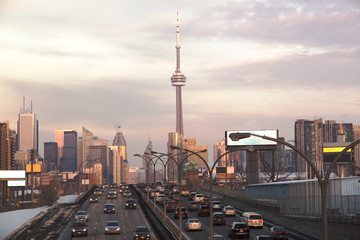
(249, 65)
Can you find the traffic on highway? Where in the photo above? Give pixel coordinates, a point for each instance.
(105, 216)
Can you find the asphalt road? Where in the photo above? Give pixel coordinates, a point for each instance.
(128, 219)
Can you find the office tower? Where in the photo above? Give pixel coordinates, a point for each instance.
(67, 149)
(172, 170)
(7, 147)
(333, 129)
(50, 156)
(114, 165)
(84, 144)
(27, 128)
(219, 149)
(309, 137)
(191, 144)
(148, 166)
(120, 143)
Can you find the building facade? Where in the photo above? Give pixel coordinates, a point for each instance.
(50, 156)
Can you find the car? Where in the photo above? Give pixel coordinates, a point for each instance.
(229, 211)
(112, 227)
(142, 232)
(175, 189)
(205, 201)
(239, 229)
(171, 205)
(112, 195)
(109, 208)
(130, 203)
(263, 237)
(253, 219)
(98, 191)
(198, 197)
(219, 218)
(184, 213)
(204, 210)
(191, 196)
(216, 206)
(79, 229)
(279, 232)
(81, 216)
(175, 196)
(113, 185)
(217, 237)
(93, 199)
(193, 206)
(127, 193)
(184, 192)
(112, 191)
(158, 197)
(193, 224)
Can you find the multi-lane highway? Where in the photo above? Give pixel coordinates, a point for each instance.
(218, 229)
(128, 219)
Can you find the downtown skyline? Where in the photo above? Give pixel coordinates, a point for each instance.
(249, 65)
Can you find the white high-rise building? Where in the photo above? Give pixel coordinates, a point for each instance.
(27, 128)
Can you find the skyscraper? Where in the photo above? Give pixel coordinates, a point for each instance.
(7, 147)
(67, 149)
(27, 127)
(120, 143)
(51, 155)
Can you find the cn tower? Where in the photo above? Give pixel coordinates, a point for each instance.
(178, 80)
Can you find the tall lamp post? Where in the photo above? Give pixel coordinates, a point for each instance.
(323, 182)
(179, 166)
(92, 161)
(210, 182)
(147, 160)
(165, 181)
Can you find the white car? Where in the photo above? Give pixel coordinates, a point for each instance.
(253, 219)
(159, 198)
(198, 197)
(127, 193)
(193, 224)
(229, 211)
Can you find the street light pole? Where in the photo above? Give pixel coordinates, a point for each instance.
(322, 182)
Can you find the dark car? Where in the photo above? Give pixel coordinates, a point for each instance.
(175, 196)
(279, 232)
(130, 203)
(79, 229)
(142, 232)
(109, 208)
(112, 195)
(184, 192)
(93, 199)
(171, 205)
(205, 201)
(112, 227)
(98, 191)
(113, 185)
(239, 229)
(193, 206)
(81, 216)
(219, 219)
(204, 210)
(184, 213)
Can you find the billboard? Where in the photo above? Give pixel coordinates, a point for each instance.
(252, 141)
(12, 174)
(36, 168)
(16, 183)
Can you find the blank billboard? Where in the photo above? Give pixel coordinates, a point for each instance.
(16, 183)
(12, 174)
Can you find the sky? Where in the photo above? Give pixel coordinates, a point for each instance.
(249, 64)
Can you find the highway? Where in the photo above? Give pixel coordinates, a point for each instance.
(205, 221)
(128, 219)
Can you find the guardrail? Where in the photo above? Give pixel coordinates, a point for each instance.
(168, 223)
